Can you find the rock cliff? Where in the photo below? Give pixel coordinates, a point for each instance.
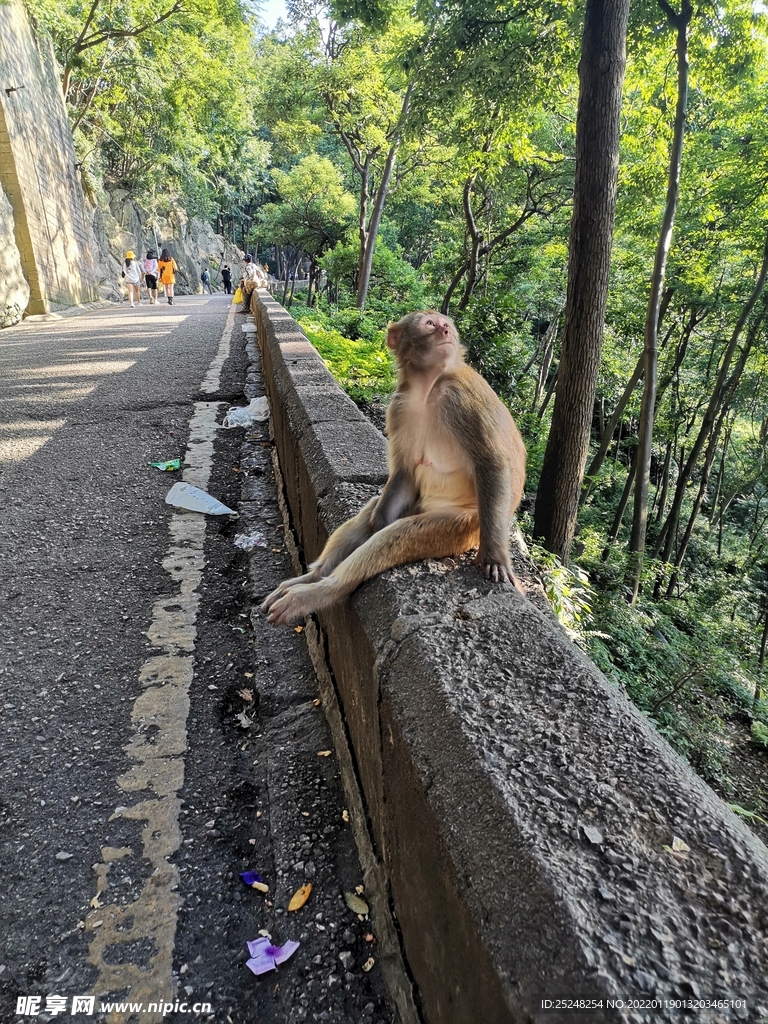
(14, 290)
(120, 223)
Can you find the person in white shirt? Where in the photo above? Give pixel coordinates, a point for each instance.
(253, 277)
(132, 274)
(150, 276)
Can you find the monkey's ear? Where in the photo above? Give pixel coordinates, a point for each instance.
(393, 335)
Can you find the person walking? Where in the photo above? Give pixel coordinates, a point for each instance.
(167, 268)
(150, 276)
(253, 277)
(226, 277)
(205, 277)
(132, 274)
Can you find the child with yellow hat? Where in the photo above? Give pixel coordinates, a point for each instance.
(133, 274)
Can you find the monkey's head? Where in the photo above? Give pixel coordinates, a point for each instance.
(425, 341)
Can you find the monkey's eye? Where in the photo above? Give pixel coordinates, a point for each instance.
(431, 323)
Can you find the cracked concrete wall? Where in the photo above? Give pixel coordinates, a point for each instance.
(523, 811)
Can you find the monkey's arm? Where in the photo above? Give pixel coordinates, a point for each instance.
(470, 411)
(397, 499)
(494, 495)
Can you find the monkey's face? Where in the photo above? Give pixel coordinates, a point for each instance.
(425, 340)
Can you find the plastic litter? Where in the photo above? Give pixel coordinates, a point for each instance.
(256, 411)
(192, 499)
(250, 541)
(169, 466)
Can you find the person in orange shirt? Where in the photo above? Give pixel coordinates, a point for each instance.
(166, 268)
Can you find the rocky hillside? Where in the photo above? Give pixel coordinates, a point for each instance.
(14, 290)
(118, 224)
(121, 224)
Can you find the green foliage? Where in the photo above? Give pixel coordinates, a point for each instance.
(395, 285)
(160, 105)
(364, 367)
(760, 733)
(744, 813)
(313, 210)
(568, 590)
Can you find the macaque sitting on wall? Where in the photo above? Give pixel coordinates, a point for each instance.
(456, 475)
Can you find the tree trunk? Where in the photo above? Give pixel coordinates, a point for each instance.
(680, 22)
(484, 249)
(720, 476)
(362, 214)
(665, 539)
(547, 349)
(476, 240)
(709, 457)
(616, 525)
(601, 75)
(368, 246)
(551, 388)
(664, 488)
(607, 436)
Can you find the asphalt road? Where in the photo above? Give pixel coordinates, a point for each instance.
(148, 751)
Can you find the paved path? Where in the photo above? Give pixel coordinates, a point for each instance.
(150, 750)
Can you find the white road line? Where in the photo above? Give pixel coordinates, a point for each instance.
(157, 772)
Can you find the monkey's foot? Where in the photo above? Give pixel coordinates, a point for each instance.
(283, 589)
(296, 602)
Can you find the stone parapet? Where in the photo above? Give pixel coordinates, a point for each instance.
(540, 841)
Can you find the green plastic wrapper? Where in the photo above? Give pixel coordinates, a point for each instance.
(168, 466)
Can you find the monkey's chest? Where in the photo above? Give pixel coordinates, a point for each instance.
(441, 474)
(430, 453)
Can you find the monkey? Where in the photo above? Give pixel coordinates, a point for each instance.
(456, 475)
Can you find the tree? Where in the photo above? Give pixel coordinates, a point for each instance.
(601, 75)
(314, 212)
(367, 91)
(103, 24)
(159, 100)
(680, 23)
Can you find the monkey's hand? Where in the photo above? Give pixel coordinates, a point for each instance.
(500, 572)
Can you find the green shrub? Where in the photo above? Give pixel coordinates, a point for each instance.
(363, 367)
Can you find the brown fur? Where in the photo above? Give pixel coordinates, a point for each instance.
(456, 474)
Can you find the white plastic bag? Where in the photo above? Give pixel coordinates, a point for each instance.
(249, 541)
(256, 411)
(192, 499)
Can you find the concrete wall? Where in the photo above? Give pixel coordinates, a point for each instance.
(523, 811)
(37, 170)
